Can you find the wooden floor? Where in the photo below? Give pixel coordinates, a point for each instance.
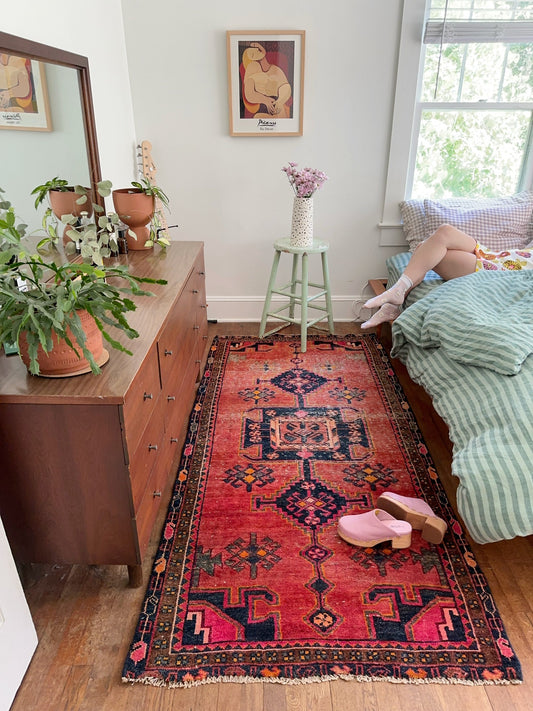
(85, 619)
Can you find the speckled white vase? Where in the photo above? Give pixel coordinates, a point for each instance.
(302, 222)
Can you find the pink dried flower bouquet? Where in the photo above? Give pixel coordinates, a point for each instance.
(304, 182)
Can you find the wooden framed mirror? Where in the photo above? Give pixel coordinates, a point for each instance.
(67, 146)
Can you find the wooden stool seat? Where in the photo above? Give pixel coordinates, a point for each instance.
(297, 290)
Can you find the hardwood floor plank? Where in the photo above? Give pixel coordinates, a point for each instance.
(76, 683)
(274, 697)
(206, 698)
(406, 697)
(313, 695)
(240, 697)
(354, 695)
(458, 696)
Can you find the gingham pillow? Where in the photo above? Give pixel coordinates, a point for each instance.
(414, 222)
(416, 228)
(500, 223)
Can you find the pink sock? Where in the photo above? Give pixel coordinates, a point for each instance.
(394, 295)
(387, 312)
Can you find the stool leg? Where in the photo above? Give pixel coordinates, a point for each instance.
(325, 273)
(268, 297)
(294, 276)
(305, 291)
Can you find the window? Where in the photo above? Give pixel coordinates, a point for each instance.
(463, 112)
(474, 112)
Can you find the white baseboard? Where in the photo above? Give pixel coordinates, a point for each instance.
(250, 308)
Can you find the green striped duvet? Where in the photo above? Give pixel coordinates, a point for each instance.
(468, 343)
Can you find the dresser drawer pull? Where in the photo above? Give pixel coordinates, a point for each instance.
(152, 447)
(203, 306)
(173, 440)
(195, 291)
(156, 494)
(201, 273)
(148, 396)
(171, 397)
(167, 352)
(195, 328)
(197, 361)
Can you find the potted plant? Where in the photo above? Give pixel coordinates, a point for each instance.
(95, 239)
(87, 229)
(139, 207)
(50, 305)
(64, 199)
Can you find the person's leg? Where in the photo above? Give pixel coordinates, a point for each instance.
(448, 251)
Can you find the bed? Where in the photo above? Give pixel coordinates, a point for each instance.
(468, 343)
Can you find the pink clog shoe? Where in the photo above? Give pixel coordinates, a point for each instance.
(373, 527)
(419, 514)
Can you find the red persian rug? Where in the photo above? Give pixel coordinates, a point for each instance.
(251, 581)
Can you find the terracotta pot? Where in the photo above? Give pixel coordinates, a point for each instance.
(64, 203)
(135, 209)
(62, 361)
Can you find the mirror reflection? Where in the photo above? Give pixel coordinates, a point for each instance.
(32, 156)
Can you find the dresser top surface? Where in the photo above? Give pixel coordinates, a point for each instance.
(174, 264)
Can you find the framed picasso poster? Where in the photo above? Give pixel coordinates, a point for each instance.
(266, 82)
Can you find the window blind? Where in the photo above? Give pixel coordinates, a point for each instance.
(462, 32)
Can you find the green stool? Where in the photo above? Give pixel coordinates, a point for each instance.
(299, 297)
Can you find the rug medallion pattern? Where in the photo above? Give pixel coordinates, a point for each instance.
(251, 581)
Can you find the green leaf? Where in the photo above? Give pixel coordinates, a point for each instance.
(43, 243)
(104, 188)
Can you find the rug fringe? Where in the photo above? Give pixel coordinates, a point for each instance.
(155, 681)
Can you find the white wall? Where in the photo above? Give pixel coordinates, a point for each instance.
(230, 191)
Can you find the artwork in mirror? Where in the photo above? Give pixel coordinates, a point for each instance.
(23, 94)
(69, 150)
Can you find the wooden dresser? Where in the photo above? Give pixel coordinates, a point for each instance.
(84, 460)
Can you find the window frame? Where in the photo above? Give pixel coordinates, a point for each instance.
(406, 122)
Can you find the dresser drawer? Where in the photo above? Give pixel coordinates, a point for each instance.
(178, 338)
(149, 505)
(198, 286)
(141, 398)
(178, 400)
(202, 338)
(148, 454)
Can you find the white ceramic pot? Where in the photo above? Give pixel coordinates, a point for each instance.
(302, 222)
